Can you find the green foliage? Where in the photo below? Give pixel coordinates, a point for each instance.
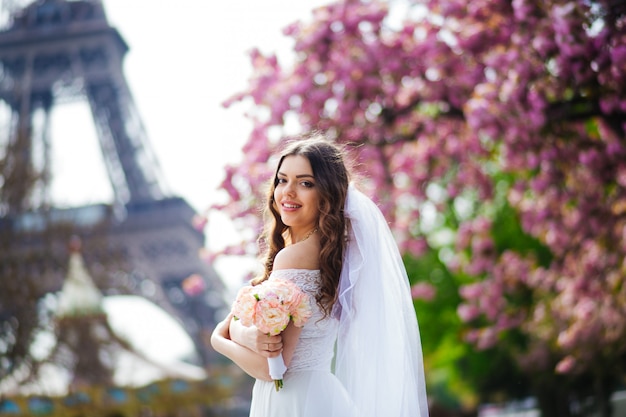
(458, 375)
(507, 231)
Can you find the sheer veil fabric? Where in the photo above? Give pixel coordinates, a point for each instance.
(379, 353)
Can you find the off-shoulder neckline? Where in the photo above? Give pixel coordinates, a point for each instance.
(295, 269)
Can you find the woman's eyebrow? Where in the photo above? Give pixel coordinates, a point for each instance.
(297, 176)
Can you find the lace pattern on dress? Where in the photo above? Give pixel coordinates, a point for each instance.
(315, 348)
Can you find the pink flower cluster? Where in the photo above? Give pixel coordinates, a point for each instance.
(500, 102)
(193, 285)
(271, 305)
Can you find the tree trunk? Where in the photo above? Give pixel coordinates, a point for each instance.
(553, 399)
(603, 388)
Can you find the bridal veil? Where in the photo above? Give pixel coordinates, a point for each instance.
(379, 354)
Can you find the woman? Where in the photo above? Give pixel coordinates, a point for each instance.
(334, 243)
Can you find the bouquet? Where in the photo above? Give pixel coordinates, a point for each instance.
(270, 306)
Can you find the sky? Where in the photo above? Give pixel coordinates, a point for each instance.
(183, 62)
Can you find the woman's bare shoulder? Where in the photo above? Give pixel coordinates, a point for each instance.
(298, 256)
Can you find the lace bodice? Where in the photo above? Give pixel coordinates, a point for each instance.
(315, 348)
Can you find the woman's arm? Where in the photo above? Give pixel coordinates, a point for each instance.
(291, 336)
(250, 362)
(253, 339)
(263, 344)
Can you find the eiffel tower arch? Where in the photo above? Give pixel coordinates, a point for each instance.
(142, 243)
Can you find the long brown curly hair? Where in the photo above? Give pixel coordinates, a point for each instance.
(331, 178)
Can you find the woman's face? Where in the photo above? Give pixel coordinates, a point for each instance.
(296, 195)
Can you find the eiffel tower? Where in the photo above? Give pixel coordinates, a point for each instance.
(142, 243)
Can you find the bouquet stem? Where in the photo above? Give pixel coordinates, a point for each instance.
(278, 383)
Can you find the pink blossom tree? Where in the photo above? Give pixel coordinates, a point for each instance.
(472, 109)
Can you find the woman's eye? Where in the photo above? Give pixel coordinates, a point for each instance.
(306, 184)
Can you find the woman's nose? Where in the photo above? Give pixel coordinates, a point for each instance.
(289, 188)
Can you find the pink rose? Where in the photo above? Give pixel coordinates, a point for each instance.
(301, 310)
(272, 316)
(244, 305)
(284, 289)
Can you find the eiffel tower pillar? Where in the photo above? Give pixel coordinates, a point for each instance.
(59, 50)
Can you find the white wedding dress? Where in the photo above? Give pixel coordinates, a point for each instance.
(310, 388)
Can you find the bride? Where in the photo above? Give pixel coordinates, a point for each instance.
(360, 352)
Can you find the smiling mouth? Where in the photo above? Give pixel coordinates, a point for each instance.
(291, 206)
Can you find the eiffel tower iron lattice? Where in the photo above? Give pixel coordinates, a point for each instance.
(144, 242)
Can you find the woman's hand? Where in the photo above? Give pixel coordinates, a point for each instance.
(253, 339)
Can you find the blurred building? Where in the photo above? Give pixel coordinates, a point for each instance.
(81, 347)
(144, 242)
